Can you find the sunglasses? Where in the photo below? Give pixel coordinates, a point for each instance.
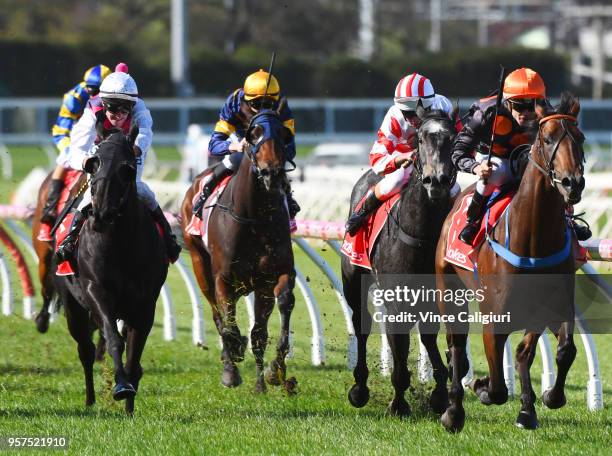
(117, 109)
(521, 105)
(261, 103)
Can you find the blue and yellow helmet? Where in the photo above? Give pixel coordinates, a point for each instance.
(95, 75)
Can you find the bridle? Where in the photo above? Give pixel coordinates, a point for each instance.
(549, 169)
(418, 163)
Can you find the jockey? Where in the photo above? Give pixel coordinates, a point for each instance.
(117, 107)
(228, 144)
(73, 105)
(524, 93)
(396, 143)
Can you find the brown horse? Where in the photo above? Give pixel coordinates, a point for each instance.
(538, 233)
(249, 249)
(44, 251)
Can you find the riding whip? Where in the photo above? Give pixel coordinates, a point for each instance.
(498, 102)
(270, 73)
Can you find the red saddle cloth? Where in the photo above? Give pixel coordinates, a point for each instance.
(64, 268)
(199, 227)
(359, 247)
(464, 255)
(70, 180)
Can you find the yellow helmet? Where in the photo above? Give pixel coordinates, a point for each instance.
(255, 86)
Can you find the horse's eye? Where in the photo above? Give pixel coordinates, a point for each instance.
(256, 135)
(547, 140)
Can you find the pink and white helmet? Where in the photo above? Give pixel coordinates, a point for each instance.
(411, 89)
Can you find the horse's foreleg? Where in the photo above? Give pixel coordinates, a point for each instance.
(234, 344)
(47, 288)
(264, 304)
(80, 330)
(525, 352)
(566, 354)
(438, 401)
(136, 339)
(400, 377)
(493, 389)
(453, 418)
(283, 291)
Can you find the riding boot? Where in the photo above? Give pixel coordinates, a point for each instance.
(49, 212)
(218, 173)
(360, 215)
(66, 249)
(173, 250)
(474, 217)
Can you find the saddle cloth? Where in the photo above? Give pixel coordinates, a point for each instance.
(358, 248)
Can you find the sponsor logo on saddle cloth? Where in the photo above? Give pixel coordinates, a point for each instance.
(199, 227)
(460, 253)
(359, 247)
(70, 180)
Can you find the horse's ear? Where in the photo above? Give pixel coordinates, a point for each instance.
(91, 165)
(575, 108)
(420, 111)
(133, 134)
(281, 105)
(100, 124)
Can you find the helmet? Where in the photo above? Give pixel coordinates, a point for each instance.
(119, 85)
(95, 75)
(412, 89)
(255, 86)
(524, 83)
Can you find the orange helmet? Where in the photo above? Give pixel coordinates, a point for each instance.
(524, 83)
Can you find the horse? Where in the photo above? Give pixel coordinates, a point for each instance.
(44, 252)
(535, 226)
(249, 249)
(121, 266)
(406, 245)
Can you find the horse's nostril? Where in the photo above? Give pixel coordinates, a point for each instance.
(581, 183)
(566, 182)
(427, 180)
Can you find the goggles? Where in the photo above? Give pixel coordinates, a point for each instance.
(522, 104)
(117, 108)
(92, 90)
(260, 103)
(411, 103)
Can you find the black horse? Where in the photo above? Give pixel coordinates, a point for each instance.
(406, 245)
(121, 267)
(249, 249)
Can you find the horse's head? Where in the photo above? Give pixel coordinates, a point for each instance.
(434, 165)
(558, 151)
(113, 170)
(267, 137)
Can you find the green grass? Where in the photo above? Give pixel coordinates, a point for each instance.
(181, 407)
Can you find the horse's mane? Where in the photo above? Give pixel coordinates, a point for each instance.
(567, 101)
(440, 115)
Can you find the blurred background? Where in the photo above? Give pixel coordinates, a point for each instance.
(337, 61)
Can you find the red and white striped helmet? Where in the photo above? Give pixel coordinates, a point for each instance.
(411, 89)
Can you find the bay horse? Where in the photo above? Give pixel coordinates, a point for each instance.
(121, 266)
(406, 245)
(249, 249)
(44, 252)
(535, 230)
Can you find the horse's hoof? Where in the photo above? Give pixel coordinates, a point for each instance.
(231, 377)
(358, 395)
(527, 420)
(453, 419)
(438, 401)
(291, 386)
(123, 391)
(260, 386)
(551, 401)
(274, 374)
(42, 322)
(399, 407)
